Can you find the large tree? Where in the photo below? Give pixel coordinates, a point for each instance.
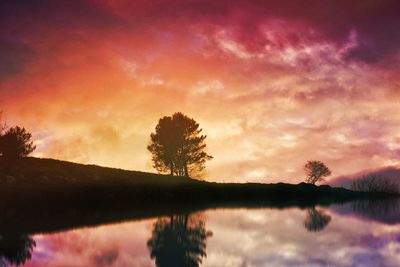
(177, 146)
(16, 143)
(316, 171)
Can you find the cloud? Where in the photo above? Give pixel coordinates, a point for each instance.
(351, 241)
(285, 241)
(106, 258)
(272, 83)
(392, 173)
(13, 57)
(113, 245)
(375, 21)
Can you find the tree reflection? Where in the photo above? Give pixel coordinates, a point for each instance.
(384, 210)
(376, 208)
(316, 220)
(15, 248)
(179, 241)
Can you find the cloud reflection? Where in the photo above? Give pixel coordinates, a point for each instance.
(241, 237)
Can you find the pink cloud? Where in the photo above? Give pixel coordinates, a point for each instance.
(272, 83)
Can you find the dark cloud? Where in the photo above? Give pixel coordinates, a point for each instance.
(392, 173)
(369, 258)
(106, 258)
(13, 57)
(41, 28)
(19, 17)
(376, 21)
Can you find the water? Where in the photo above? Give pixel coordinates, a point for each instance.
(354, 234)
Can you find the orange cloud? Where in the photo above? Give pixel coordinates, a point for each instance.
(270, 90)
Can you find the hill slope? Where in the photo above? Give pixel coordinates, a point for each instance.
(49, 195)
(34, 171)
(33, 177)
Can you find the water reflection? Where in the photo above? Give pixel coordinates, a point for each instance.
(380, 210)
(354, 234)
(179, 241)
(316, 220)
(15, 248)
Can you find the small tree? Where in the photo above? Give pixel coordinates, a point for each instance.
(16, 143)
(316, 171)
(177, 146)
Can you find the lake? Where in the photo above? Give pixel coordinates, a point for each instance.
(353, 234)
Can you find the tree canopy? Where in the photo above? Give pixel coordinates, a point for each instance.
(177, 146)
(316, 171)
(16, 143)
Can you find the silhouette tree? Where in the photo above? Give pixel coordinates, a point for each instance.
(375, 183)
(16, 143)
(177, 146)
(178, 242)
(316, 171)
(316, 220)
(15, 248)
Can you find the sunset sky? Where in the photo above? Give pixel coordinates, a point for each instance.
(272, 83)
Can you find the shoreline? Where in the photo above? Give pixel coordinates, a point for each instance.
(50, 196)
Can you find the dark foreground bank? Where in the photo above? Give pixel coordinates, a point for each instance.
(42, 195)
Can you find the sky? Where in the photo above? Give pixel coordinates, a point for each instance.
(272, 83)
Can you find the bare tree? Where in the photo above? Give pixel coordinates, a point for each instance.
(375, 183)
(316, 171)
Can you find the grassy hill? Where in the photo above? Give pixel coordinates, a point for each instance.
(32, 176)
(35, 171)
(50, 195)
